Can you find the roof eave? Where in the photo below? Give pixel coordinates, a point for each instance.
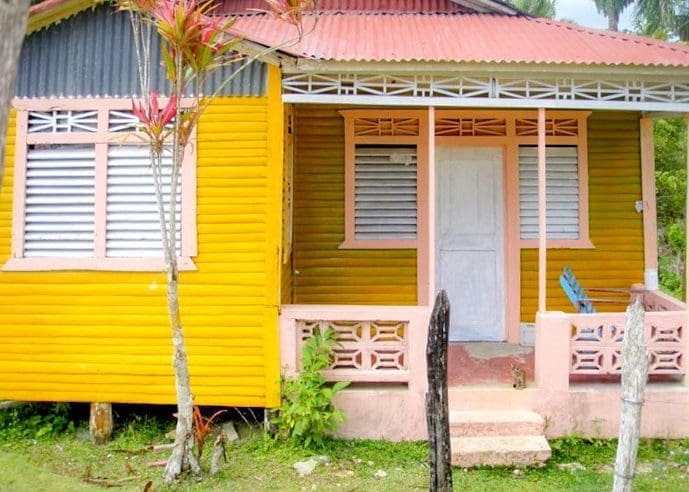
(53, 11)
(490, 6)
(307, 65)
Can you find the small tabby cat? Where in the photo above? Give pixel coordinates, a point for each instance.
(519, 376)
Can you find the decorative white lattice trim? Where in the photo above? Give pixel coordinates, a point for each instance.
(63, 121)
(625, 92)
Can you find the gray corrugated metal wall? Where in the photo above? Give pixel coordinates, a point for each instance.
(92, 54)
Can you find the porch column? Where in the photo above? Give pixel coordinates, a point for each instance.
(426, 252)
(648, 192)
(541, 213)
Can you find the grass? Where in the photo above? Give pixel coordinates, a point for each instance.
(59, 460)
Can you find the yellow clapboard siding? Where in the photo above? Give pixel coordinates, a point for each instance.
(616, 229)
(104, 336)
(327, 274)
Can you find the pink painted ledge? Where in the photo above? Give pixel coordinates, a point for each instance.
(379, 244)
(97, 264)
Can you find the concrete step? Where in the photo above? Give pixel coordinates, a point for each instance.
(499, 451)
(474, 423)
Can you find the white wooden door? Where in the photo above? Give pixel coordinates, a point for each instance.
(469, 240)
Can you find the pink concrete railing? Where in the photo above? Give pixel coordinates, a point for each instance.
(592, 343)
(376, 344)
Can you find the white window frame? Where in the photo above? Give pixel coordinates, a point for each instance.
(102, 138)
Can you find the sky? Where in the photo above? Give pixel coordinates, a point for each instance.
(584, 12)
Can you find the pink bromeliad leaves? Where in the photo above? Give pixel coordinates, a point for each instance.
(155, 119)
(290, 11)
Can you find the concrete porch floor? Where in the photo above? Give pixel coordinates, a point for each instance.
(475, 363)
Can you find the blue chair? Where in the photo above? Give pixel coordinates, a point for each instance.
(578, 296)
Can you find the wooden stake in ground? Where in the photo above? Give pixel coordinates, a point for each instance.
(437, 411)
(634, 375)
(101, 422)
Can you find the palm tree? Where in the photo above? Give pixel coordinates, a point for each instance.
(663, 18)
(539, 8)
(612, 10)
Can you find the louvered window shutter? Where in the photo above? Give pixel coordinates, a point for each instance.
(132, 227)
(59, 206)
(385, 192)
(562, 188)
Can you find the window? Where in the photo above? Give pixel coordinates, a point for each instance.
(562, 188)
(84, 195)
(385, 152)
(385, 192)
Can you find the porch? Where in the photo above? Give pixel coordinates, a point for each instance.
(372, 278)
(382, 352)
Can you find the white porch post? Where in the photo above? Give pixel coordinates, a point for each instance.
(430, 219)
(541, 213)
(648, 190)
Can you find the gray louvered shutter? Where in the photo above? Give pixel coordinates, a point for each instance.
(385, 192)
(562, 187)
(59, 206)
(132, 227)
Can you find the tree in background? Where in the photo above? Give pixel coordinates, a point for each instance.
(539, 8)
(13, 18)
(612, 10)
(663, 18)
(669, 137)
(194, 44)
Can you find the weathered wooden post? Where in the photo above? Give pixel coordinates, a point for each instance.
(634, 375)
(437, 408)
(101, 422)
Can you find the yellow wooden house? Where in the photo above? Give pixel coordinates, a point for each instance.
(399, 149)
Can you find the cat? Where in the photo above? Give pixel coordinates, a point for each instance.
(519, 376)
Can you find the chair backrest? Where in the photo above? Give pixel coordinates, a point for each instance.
(575, 293)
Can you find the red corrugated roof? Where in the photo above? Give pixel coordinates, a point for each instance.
(377, 37)
(239, 6)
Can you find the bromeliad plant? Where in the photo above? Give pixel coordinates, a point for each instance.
(307, 413)
(194, 44)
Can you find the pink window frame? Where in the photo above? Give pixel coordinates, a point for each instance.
(352, 140)
(101, 139)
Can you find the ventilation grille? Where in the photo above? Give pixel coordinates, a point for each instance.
(59, 207)
(133, 228)
(562, 188)
(385, 192)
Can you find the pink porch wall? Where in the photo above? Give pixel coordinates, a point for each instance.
(393, 412)
(397, 411)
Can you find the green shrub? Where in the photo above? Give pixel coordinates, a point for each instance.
(307, 413)
(35, 420)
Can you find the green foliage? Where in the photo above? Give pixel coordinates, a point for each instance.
(539, 8)
(670, 140)
(307, 414)
(671, 187)
(35, 420)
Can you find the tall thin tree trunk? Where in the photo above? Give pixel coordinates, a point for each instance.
(182, 456)
(13, 17)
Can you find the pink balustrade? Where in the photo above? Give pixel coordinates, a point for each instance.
(596, 339)
(375, 344)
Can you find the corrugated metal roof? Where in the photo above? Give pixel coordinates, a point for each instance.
(93, 54)
(461, 38)
(241, 6)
